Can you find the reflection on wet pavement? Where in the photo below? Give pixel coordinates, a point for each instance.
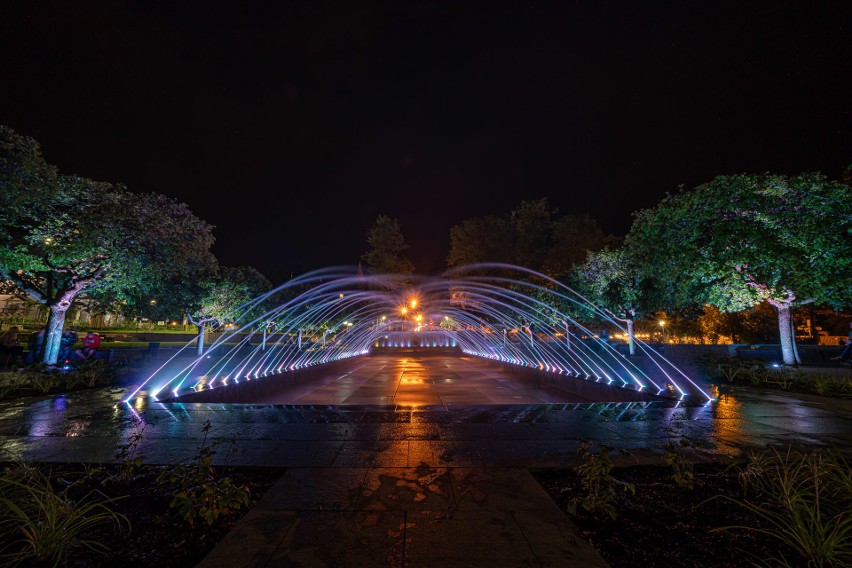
(417, 380)
(89, 425)
(418, 482)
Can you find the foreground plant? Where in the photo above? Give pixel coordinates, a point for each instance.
(804, 501)
(683, 466)
(39, 524)
(129, 457)
(601, 489)
(202, 492)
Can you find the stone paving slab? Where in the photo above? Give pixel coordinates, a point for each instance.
(320, 489)
(409, 517)
(345, 539)
(439, 485)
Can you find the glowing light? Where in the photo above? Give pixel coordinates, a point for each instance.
(484, 313)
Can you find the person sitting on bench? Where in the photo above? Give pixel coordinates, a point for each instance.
(90, 344)
(10, 343)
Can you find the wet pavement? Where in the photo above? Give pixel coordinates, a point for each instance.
(445, 484)
(417, 379)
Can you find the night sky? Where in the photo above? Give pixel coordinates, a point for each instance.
(292, 125)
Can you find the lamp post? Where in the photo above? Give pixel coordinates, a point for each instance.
(663, 326)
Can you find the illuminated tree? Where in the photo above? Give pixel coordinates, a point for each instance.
(220, 299)
(386, 245)
(746, 239)
(618, 284)
(63, 236)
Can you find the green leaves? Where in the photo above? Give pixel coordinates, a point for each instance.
(749, 238)
(203, 492)
(601, 490)
(39, 523)
(531, 235)
(386, 243)
(221, 296)
(69, 234)
(803, 501)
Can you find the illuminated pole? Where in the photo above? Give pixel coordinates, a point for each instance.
(263, 341)
(300, 339)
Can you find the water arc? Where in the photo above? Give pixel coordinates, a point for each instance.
(494, 311)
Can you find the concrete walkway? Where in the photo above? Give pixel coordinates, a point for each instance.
(387, 485)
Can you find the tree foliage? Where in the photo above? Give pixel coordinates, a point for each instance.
(615, 281)
(386, 246)
(745, 239)
(222, 295)
(532, 235)
(63, 236)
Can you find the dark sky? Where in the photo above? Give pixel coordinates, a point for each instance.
(292, 125)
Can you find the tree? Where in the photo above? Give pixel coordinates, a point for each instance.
(745, 239)
(616, 283)
(531, 235)
(221, 296)
(63, 236)
(480, 239)
(386, 243)
(530, 224)
(574, 236)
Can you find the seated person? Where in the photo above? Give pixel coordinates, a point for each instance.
(90, 344)
(9, 343)
(846, 354)
(66, 344)
(37, 345)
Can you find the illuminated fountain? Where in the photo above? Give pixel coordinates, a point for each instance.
(499, 312)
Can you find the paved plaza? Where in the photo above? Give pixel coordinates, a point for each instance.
(428, 474)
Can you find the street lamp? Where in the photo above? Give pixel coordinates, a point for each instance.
(663, 326)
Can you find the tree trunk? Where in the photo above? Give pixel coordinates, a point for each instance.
(785, 329)
(793, 335)
(567, 335)
(631, 341)
(200, 347)
(53, 336)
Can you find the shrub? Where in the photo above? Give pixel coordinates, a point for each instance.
(804, 501)
(39, 524)
(601, 489)
(683, 467)
(202, 492)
